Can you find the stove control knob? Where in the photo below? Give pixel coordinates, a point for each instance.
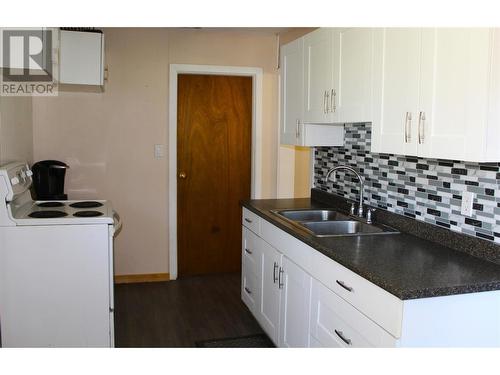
(29, 173)
(14, 180)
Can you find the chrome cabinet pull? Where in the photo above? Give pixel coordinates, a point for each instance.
(280, 284)
(342, 284)
(248, 220)
(334, 101)
(275, 267)
(327, 100)
(421, 127)
(248, 251)
(341, 335)
(248, 290)
(297, 129)
(408, 127)
(324, 102)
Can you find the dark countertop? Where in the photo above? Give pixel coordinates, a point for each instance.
(406, 266)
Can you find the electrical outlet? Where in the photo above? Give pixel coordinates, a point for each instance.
(467, 201)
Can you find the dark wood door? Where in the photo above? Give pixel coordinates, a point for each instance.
(214, 132)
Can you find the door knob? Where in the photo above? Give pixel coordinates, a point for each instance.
(182, 175)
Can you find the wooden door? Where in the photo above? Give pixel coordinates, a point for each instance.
(396, 90)
(214, 127)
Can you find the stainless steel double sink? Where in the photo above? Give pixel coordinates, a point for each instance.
(330, 223)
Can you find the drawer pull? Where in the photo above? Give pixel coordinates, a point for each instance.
(248, 251)
(248, 290)
(341, 335)
(248, 220)
(274, 272)
(341, 283)
(280, 284)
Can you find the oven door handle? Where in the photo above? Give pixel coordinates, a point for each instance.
(117, 222)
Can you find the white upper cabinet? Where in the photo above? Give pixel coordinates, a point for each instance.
(433, 93)
(81, 58)
(318, 77)
(326, 79)
(396, 90)
(454, 83)
(292, 90)
(353, 73)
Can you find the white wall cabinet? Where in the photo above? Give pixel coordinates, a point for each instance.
(81, 58)
(353, 75)
(326, 80)
(292, 91)
(433, 90)
(308, 300)
(319, 84)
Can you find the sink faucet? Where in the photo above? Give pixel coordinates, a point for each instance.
(352, 170)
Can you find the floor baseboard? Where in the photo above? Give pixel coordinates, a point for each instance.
(141, 278)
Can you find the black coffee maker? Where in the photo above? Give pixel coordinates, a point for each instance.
(48, 180)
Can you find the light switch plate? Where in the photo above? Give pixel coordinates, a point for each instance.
(159, 151)
(467, 201)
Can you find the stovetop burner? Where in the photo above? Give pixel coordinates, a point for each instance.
(86, 204)
(50, 204)
(47, 214)
(87, 213)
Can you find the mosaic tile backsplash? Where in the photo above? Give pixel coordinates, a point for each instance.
(428, 190)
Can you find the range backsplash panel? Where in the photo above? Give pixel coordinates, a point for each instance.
(428, 190)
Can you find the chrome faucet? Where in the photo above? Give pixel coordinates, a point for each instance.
(361, 183)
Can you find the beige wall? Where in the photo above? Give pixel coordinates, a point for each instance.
(108, 138)
(16, 129)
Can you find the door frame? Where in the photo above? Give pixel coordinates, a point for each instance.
(256, 158)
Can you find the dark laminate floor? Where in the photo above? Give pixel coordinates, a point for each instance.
(179, 313)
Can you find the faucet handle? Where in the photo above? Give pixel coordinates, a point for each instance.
(369, 213)
(353, 208)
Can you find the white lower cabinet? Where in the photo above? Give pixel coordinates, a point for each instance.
(302, 298)
(335, 323)
(295, 286)
(268, 313)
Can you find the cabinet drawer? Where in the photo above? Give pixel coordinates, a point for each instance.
(249, 289)
(250, 250)
(380, 306)
(251, 221)
(335, 323)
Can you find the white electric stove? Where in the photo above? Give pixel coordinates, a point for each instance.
(56, 267)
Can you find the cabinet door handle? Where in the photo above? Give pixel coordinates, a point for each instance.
(341, 335)
(327, 100)
(297, 129)
(275, 267)
(248, 290)
(408, 127)
(248, 251)
(342, 284)
(421, 127)
(334, 101)
(248, 220)
(324, 101)
(280, 284)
